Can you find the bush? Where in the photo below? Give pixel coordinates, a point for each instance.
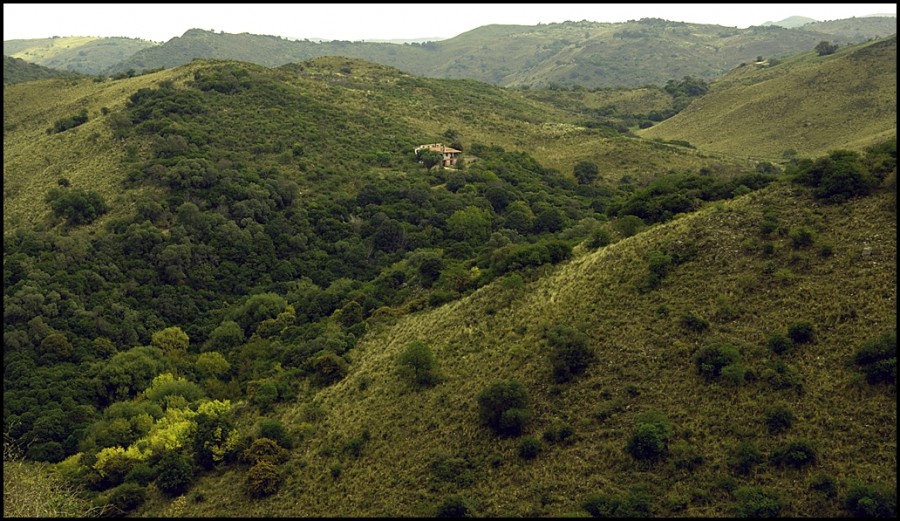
(529, 447)
(141, 473)
(712, 358)
(175, 473)
(797, 454)
(801, 332)
(778, 418)
(328, 368)
(76, 206)
(569, 355)
(743, 457)
(126, 497)
(263, 479)
(636, 503)
(61, 125)
(756, 502)
(779, 343)
(504, 407)
(265, 449)
(878, 358)
(801, 237)
(824, 484)
(649, 440)
(876, 500)
(453, 507)
(274, 430)
(692, 322)
(418, 364)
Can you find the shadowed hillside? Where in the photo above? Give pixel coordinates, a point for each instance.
(84, 54)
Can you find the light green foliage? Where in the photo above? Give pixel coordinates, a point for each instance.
(166, 385)
(212, 364)
(224, 337)
(470, 224)
(170, 340)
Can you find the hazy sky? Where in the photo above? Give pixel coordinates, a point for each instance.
(354, 21)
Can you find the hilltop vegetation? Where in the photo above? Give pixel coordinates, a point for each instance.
(83, 54)
(636, 53)
(803, 105)
(236, 290)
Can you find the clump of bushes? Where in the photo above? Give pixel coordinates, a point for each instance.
(801, 332)
(274, 430)
(636, 503)
(263, 479)
(175, 473)
(503, 407)
(756, 502)
(61, 125)
(797, 454)
(878, 359)
(872, 500)
(529, 447)
(713, 358)
(650, 438)
(743, 457)
(569, 352)
(780, 343)
(454, 507)
(76, 206)
(778, 418)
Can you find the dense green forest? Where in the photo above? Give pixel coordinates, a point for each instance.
(282, 258)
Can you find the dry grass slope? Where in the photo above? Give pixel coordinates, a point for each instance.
(809, 104)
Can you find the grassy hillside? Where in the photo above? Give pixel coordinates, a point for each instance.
(84, 54)
(478, 113)
(644, 364)
(847, 99)
(212, 273)
(633, 54)
(17, 70)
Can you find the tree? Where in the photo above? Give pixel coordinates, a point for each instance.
(76, 206)
(175, 474)
(429, 158)
(170, 340)
(586, 172)
(825, 48)
(470, 224)
(418, 364)
(504, 407)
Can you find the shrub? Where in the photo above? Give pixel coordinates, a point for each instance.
(141, 473)
(878, 358)
(600, 236)
(824, 484)
(418, 364)
(778, 418)
(76, 206)
(636, 503)
(126, 497)
(743, 457)
(570, 354)
(274, 430)
(328, 368)
(756, 502)
(175, 473)
(503, 407)
(801, 237)
(649, 440)
(734, 374)
(263, 479)
(61, 125)
(692, 322)
(801, 332)
(529, 447)
(875, 500)
(453, 507)
(712, 358)
(264, 449)
(779, 343)
(797, 454)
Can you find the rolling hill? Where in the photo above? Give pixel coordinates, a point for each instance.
(234, 290)
(846, 100)
(632, 54)
(84, 54)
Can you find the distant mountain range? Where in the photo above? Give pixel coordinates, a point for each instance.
(649, 51)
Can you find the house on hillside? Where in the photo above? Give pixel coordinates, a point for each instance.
(451, 155)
